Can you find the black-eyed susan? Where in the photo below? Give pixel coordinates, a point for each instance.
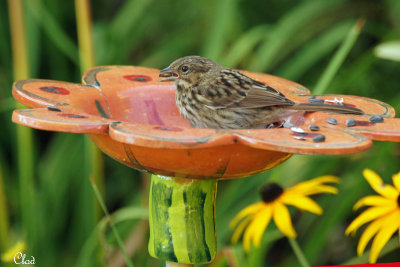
(384, 212)
(254, 219)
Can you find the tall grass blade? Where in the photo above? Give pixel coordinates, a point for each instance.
(316, 49)
(339, 57)
(221, 23)
(32, 36)
(4, 215)
(25, 149)
(244, 45)
(84, 27)
(127, 18)
(112, 224)
(53, 30)
(87, 61)
(285, 29)
(93, 156)
(121, 215)
(7, 104)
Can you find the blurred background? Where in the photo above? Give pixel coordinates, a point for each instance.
(45, 196)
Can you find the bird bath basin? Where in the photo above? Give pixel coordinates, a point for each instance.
(132, 117)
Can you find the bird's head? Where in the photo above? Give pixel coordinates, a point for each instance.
(188, 69)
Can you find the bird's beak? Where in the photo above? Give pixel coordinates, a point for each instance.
(168, 74)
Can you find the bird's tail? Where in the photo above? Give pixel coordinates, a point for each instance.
(325, 107)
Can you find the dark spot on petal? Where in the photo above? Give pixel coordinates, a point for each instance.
(171, 129)
(100, 109)
(348, 105)
(53, 108)
(138, 78)
(71, 115)
(398, 201)
(364, 123)
(55, 90)
(270, 192)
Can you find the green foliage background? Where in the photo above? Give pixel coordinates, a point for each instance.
(295, 39)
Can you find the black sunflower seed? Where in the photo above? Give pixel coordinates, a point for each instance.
(53, 108)
(376, 118)
(314, 127)
(350, 122)
(316, 100)
(319, 138)
(332, 121)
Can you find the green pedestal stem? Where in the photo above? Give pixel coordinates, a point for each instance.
(182, 219)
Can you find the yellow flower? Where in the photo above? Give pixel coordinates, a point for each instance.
(9, 255)
(255, 218)
(384, 212)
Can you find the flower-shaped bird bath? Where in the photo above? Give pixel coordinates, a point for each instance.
(132, 117)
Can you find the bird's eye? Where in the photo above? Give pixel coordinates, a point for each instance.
(185, 68)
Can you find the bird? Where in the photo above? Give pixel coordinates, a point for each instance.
(209, 95)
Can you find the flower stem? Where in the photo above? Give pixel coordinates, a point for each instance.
(298, 252)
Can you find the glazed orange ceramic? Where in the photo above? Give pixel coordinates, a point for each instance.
(132, 117)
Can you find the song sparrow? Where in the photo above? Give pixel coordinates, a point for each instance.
(211, 96)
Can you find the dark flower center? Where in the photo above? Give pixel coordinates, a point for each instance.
(398, 201)
(270, 192)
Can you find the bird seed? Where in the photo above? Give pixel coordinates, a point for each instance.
(332, 121)
(314, 127)
(53, 108)
(376, 118)
(350, 122)
(319, 138)
(316, 100)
